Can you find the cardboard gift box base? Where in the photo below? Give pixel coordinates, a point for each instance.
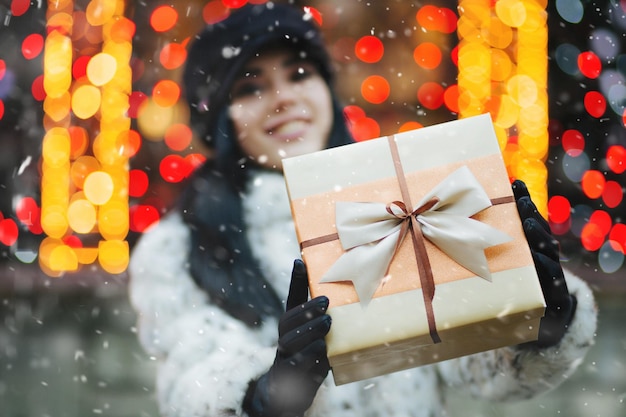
(392, 331)
(405, 343)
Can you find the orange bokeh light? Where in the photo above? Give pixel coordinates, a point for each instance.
(163, 18)
(173, 55)
(375, 89)
(427, 55)
(166, 93)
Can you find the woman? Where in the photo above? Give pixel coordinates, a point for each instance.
(210, 282)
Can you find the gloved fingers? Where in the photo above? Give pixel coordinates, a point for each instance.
(299, 286)
(540, 240)
(519, 189)
(552, 280)
(311, 359)
(297, 339)
(299, 315)
(528, 210)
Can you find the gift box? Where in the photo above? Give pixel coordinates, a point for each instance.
(416, 240)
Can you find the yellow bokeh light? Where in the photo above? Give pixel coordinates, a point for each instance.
(98, 187)
(81, 187)
(63, 258)
(113, 220)
(113, 255)
(86, 101)
(511, 12)
(99, 12)
(501, 65)
(54, 220)
(101, 69)
(57, 108)
(56, 147)
(57, 64)
(81, 168)
(82, 216)
(523, 90)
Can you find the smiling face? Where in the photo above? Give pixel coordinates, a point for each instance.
(280, 107)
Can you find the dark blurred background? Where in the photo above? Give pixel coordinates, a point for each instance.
(68, 345)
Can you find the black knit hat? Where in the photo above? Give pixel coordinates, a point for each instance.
(220, 50)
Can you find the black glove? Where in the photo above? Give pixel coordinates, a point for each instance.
(301, 364)
(560, 304)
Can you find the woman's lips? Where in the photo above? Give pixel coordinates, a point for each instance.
(288, 130)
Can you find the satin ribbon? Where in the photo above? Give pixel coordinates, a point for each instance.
(371, 233)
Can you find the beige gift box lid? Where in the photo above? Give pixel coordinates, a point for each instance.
(391, 332)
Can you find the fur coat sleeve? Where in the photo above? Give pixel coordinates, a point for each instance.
(206, 357)
(517, 373)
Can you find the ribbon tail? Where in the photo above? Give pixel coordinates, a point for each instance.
(365, 266)
(463, 239)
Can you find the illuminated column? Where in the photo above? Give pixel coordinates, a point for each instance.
(87, 80)
(503, 71)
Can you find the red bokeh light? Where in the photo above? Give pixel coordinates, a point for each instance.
(194, 160)
(369, 49)
(32, 46)
(603, 220)
(174, 168)
(559, 209)
(592, 237)
(612, 194)
(178, 136)
(573, 142)
(8, 232)
(138, 183)
(617, 237)
(19, 7)
(37, 89)
(234, 4)
(440, 19)
(616, 158)
(316, 14)
(79, 69)
(1, 109)
(72, 241)
(595, 104)
(214, 11)
(430, 94)
(135, 100)
(589, 64)
(142, 216)
(29, 214)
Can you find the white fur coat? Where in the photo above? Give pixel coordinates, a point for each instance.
(207, 357)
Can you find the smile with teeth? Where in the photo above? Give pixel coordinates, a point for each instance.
(292, 129)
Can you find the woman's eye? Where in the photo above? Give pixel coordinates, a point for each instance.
(302, 73)
(246, 90)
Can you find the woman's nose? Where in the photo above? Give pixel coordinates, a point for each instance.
(285, 95)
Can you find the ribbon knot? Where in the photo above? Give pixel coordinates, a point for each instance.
(371, 233)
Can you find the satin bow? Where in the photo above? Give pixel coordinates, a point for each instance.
(370, 233)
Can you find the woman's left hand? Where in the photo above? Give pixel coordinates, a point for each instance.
(560, 304)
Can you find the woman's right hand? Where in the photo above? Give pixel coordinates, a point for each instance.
(288, 388)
